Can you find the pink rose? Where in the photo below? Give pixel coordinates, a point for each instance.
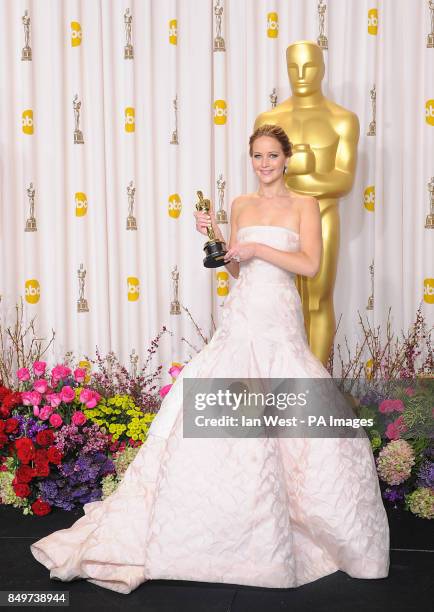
(67, 394)
(40, 385)
(92, 403)
(35, 411)
(31, 398)
(23, 374)
(410, 391)
(78, 418)
(56, 420)
(45, 412)
(89, 397)
(54, 399)
(175, 370)
(39, 368)
(59, 372)
(165, 390)
(85, 395)
(80, 374)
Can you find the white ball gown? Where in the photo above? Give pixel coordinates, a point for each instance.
(268, 512)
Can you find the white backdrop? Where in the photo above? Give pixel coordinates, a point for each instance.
(127, 118)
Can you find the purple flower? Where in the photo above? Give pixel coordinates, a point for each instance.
(394, 493)
(48, 489)
(67, 468)
(27, 426)
(78, 482)
(428, 452)
(96, 439)
(68, 438)
(372, 397)
(425, 475)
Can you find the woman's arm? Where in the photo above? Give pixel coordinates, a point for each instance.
(203, 221)
(307, 260)
(232, 267)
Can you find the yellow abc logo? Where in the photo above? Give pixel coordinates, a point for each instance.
(272, 25)
(369, 198)
(76, 34)
(130, 122)
(86, 365)
(173, 31)
(80, 204)
(429, 112)
(27, 120)
(428, 290)
(368, 368)
(373, 21)
(32, 291)
(222, 283)
(133, 288)
(220, 112)
(175, 205)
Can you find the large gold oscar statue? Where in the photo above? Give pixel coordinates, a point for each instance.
(325, 137)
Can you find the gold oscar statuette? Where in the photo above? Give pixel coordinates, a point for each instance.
(131, 220)
(82, 305)
(31, 220)
(78, 134)
(221, 216)
(430, 37)
(219, 43)
(215, 249)
(322, 41)
(175, 307)
(373, 124)
(26, 54)
(174, 139)
(323, 164)
(429, 222)
(134, 358)
(128, 49)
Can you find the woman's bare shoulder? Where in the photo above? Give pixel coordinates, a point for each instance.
(246, 196)
(304, 200)
(243, 199)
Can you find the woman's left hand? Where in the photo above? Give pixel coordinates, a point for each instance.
(241, 251)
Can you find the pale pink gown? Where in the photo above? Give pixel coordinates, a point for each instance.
(269, 512)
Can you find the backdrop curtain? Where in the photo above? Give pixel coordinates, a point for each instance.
(127, 117)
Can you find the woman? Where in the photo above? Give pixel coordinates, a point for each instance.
(270, 512)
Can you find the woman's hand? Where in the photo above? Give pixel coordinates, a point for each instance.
(204, 220)
(241, 251)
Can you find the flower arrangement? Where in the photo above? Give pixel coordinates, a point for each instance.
(58, 438)
(402, 440)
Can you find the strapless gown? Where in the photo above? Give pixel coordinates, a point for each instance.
(268, 512)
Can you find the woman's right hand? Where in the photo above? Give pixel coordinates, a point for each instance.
(204, 220)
